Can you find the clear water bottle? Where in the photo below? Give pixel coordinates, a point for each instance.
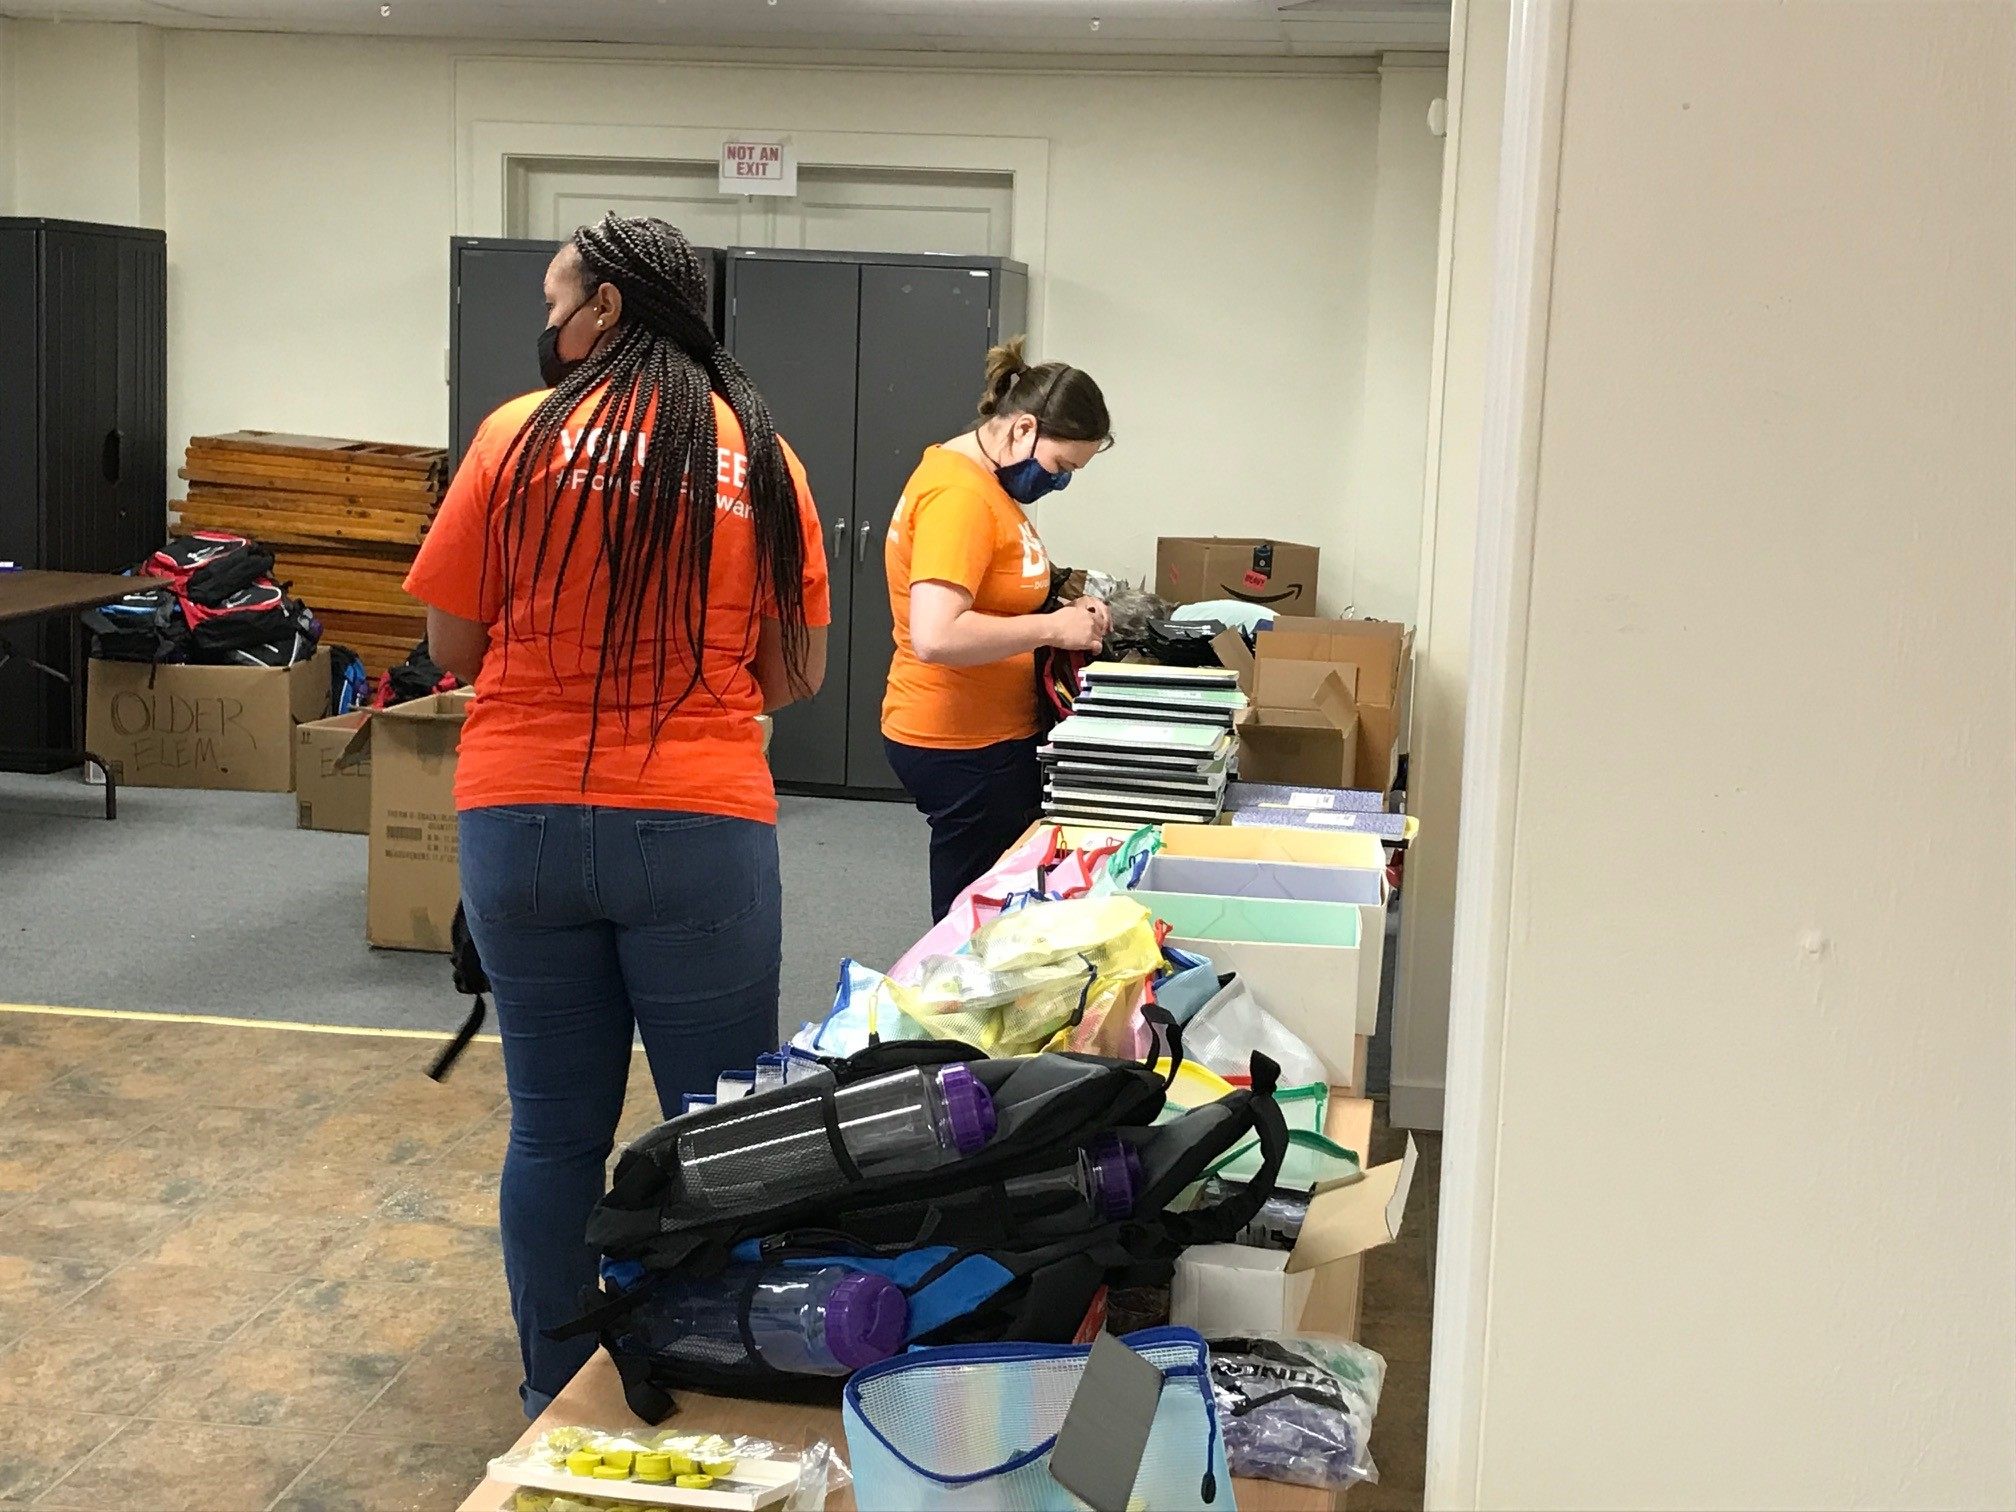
(769, 1149)
(806, 1320)
(1102, 1182)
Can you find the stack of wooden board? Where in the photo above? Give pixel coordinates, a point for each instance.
(344, 519)
(1143, 745)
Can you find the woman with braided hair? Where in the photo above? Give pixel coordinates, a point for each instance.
(967, 575)
(628, 570)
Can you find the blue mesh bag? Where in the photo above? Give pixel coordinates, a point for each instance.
(972, 1426)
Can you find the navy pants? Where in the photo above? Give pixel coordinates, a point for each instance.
(592, 922)
(978, 802)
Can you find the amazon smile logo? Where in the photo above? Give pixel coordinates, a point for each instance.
(1265, 600)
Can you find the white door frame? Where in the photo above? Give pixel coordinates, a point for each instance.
(1514, 393)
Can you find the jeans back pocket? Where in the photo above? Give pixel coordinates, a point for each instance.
(501, 848)
(706, 872)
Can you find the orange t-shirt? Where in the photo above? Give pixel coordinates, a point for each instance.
(956, 524)
(527, 735)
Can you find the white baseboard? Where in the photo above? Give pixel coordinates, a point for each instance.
(1415, 1105)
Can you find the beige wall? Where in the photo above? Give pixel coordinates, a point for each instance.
(1215, 249)
(87, 110)
(1453, 419)
(1755, 1134)
(7, 50)
(1389, 450)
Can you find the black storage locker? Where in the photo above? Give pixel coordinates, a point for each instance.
(83, 430)
(865, 359)
(496, 307)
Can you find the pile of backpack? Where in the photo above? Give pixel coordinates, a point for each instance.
(210, 600)
(930, 1193)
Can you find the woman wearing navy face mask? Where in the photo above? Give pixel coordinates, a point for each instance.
(967, 574)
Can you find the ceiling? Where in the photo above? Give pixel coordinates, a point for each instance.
(1188, 28)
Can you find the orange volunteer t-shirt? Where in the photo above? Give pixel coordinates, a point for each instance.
(956, 524)
(526, 739)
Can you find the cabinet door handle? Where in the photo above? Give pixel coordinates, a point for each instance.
(861, 546)
(839, 535)
(110, 459)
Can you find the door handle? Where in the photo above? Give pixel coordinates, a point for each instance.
(110, 459)
(839, 535)
(861, 546)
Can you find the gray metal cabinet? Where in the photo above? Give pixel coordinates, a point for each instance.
(83, 429)
(865, 360)
(496, 307)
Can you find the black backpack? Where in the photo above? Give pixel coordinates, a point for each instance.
(144, 626)
(210, 566)
(970, 1274)
(259, 618)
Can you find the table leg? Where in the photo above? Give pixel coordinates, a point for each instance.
(80, 663)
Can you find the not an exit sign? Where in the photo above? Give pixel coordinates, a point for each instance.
(758, 168)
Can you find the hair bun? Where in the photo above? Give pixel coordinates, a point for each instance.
(1005, 367)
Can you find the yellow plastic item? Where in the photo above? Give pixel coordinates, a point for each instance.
(620, 1459)
(612, 1472)
(1194, 1086)
(680, 1464)
(720, 1467)
(654, 1467)
(694, 1482)
(583, 1462)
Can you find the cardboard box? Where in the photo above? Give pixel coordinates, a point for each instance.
(1231, 1290)
(413, 883)
(1302, 728)
(1379, 656)
(332, 775)
(228, 728)
(1279, 575)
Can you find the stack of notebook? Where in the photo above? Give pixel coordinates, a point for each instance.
(1143, 745)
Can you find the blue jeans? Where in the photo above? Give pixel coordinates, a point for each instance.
(591, 921)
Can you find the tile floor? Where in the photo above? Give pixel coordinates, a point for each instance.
(245, 1267)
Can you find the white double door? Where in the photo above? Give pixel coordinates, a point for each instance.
(835, 209)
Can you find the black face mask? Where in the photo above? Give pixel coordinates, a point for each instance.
(553, 368)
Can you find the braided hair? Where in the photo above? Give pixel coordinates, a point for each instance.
(648, 455)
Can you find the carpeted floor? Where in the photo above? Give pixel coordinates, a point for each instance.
(194, 902)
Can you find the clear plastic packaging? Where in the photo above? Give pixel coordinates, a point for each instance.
(574, 1468)
(1297, 1408)
(821, 1472)
(1276, 1226)
(1227, 1030)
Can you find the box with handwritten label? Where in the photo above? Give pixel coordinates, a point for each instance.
(202, 727)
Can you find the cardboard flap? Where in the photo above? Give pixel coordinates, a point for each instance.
(1336, 701)
(1233, 652)
(1377, 648)
(434, 707)
(1349, 1220)
(1282, 683)
(357, 749)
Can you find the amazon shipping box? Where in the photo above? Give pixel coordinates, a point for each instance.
(1277, 575)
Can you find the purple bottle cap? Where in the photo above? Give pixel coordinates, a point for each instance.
(969, 1107)
(1116, 1175)
(865, 1318)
